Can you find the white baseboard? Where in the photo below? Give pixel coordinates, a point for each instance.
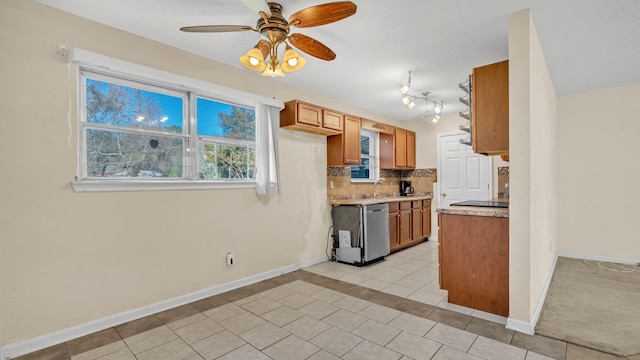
(520, 326)
(41, 342)
(597, 258)
(530, 327)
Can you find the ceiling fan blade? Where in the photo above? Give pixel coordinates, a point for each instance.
(323, 14)
(312, 47)
(258, 6)
(216, 28)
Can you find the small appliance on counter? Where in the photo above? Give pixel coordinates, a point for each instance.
(405, 188)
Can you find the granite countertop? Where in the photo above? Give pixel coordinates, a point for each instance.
(367, 200)
(475, 211)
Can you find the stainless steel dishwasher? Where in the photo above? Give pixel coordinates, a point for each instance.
(367, 229)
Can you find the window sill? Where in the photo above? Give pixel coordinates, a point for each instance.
(365, 181)
(145, 185)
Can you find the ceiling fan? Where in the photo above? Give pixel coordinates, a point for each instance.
(274, 30)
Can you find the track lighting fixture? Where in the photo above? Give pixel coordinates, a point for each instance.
(409, 101)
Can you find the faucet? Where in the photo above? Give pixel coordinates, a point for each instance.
(376, 182)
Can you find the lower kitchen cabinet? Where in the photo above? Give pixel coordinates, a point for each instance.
(394, 220)
(420, 219)
(473, 252)
(406, 223)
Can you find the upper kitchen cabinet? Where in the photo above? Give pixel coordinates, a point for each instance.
(299, 115)
(490, 109)
(344, 149)
(398, 151)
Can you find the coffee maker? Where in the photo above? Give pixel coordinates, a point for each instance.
(405, 188)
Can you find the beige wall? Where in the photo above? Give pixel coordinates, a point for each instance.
(599, 172)
(68, 258)
(532, 174)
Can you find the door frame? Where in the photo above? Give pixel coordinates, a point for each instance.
(439, 169)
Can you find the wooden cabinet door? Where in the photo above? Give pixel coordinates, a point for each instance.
(332, 119)
(400, 147)
(309, 114)
(394, 239)
(405, 227)
(351, 140)
(411, 149)
(426, 219)
(490, 109)
(416, 224)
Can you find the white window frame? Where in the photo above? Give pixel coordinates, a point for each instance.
(374, 157)
(97, 63)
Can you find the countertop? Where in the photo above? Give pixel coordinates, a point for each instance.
(360, 200)
(475, 211)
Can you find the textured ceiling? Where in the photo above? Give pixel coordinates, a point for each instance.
(588, 44)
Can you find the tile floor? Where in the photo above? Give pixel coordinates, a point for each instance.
(390, 310)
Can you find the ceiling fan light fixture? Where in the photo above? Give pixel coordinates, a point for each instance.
(292, 61)
(273, 69)
(254, 59)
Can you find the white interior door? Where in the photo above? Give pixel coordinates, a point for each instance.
(462, 174)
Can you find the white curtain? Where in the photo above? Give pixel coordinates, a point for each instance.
(267, 159)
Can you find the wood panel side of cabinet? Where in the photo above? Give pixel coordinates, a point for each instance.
(490, 109)
(474, 261)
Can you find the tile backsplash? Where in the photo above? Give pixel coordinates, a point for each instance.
(503, 182)
(339, 182)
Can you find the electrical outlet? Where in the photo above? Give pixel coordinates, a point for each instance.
(230, 259)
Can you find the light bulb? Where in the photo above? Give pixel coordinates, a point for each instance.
(404, 89)
(254, 61)
(411, 105)
(437, 109)
(435, 119)
(292, 62)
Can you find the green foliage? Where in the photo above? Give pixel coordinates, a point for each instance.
(239, 125)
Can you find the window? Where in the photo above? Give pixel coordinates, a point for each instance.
(226, 140)
(368, 170)
(138, 131)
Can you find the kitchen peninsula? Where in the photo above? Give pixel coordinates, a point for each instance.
(473, 253)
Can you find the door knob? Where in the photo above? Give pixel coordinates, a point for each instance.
(444, 194)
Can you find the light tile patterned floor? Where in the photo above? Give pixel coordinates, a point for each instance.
(411, 273)
(322, 314)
